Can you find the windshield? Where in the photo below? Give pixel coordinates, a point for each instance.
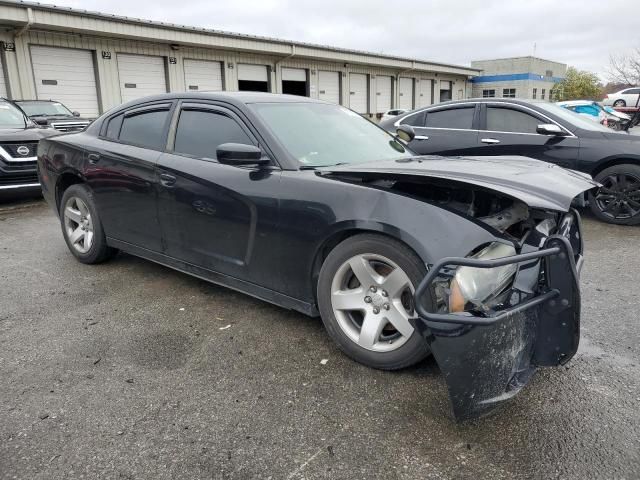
(45, 109)
(573, 118)
(319, 135)
(11, 117)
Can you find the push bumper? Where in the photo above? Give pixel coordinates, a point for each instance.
(488, 359)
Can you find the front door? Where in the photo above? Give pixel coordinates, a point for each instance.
(218, 217)
(511, 130)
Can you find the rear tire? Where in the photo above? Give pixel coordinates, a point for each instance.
(81, 226)
(620, 103)
(379, 295)
(618, 201)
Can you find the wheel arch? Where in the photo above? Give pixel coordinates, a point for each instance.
(64, 181)
(612, 162)
(340, 235)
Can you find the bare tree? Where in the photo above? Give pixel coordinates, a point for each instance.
(625, 68)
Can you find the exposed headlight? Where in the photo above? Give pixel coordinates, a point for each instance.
(474, 288)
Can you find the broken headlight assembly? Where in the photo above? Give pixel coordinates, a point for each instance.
(482, 290)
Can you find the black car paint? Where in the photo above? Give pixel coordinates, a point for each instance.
(583, 150)
(262, 231)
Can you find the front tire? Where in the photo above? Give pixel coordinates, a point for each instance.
(365, 297)
(618, 200)
(81, 226)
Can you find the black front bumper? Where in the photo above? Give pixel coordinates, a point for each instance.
(488, 359)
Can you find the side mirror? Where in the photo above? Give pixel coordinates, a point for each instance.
(75, 114)
(550, 129)
(240, 154)
(406, 133)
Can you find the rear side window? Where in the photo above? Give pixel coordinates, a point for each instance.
(416, 120)
(632, 91)
(145, 129)
(200, 132)
(461, 118)
(113, 128)
(509, 120)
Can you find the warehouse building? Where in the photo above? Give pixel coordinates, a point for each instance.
(520, 77)
(92, 62)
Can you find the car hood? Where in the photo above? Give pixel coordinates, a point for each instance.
(25, 134)
(536, 183)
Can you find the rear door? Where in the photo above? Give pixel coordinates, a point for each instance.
(509, 129)
(449, 130)
(216, 216)
(121, 173)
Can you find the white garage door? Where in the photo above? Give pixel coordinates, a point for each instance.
(3, 83)
(294, 74)
(202, 75)
(66, 75)
(383, 93)
(141, 75)
(405, 90)
(425, 91)
(329, 86)
(358, 92)
(252, 73)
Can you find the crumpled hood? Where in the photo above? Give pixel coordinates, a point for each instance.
(536, 183)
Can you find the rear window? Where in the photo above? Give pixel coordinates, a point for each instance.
(145, 129)
(460, 118)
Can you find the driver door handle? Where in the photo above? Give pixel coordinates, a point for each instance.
(421, 137)
(167, 180)
(490, 141)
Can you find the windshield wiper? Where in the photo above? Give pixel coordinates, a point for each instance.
(313, 167)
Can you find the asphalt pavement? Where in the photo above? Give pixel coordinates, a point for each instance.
(130, 370)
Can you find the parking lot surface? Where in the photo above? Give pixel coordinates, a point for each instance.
(131, 370)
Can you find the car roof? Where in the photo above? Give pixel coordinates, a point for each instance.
(39, 101)
(577, 102)
(238, 98)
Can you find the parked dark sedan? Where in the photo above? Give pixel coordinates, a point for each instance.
(311, 207)
(494, 126)
(19, 139)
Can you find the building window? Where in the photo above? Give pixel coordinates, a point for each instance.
(551, 95)
(542, 94)
(488, 93)
(535, 93)
(509, 92)
(549, 73)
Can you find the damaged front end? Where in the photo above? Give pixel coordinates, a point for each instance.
(493, 317)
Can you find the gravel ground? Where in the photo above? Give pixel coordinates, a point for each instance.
(131, 370)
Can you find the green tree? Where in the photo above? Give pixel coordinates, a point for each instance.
(578, 85)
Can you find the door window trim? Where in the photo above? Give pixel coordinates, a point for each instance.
(515, 106)
(169, 106)
(436, 108)
(196, 105)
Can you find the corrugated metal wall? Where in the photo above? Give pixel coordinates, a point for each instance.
(20, 78)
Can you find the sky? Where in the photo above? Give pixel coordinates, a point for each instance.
(581, 33)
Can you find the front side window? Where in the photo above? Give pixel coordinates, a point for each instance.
(459, 118)
(488, 93)
(318, 135)
(509, 92)
(509, 120)
(200, 132)
(145, 129)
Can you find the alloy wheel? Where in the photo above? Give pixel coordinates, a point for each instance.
(619, 196)
(78, 224)
(372, 300)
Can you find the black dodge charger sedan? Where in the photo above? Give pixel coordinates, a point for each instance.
(541, 130)
(309, 206)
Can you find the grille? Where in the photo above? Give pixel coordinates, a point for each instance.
(12, 149)
(69, 126)
(19, 179)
